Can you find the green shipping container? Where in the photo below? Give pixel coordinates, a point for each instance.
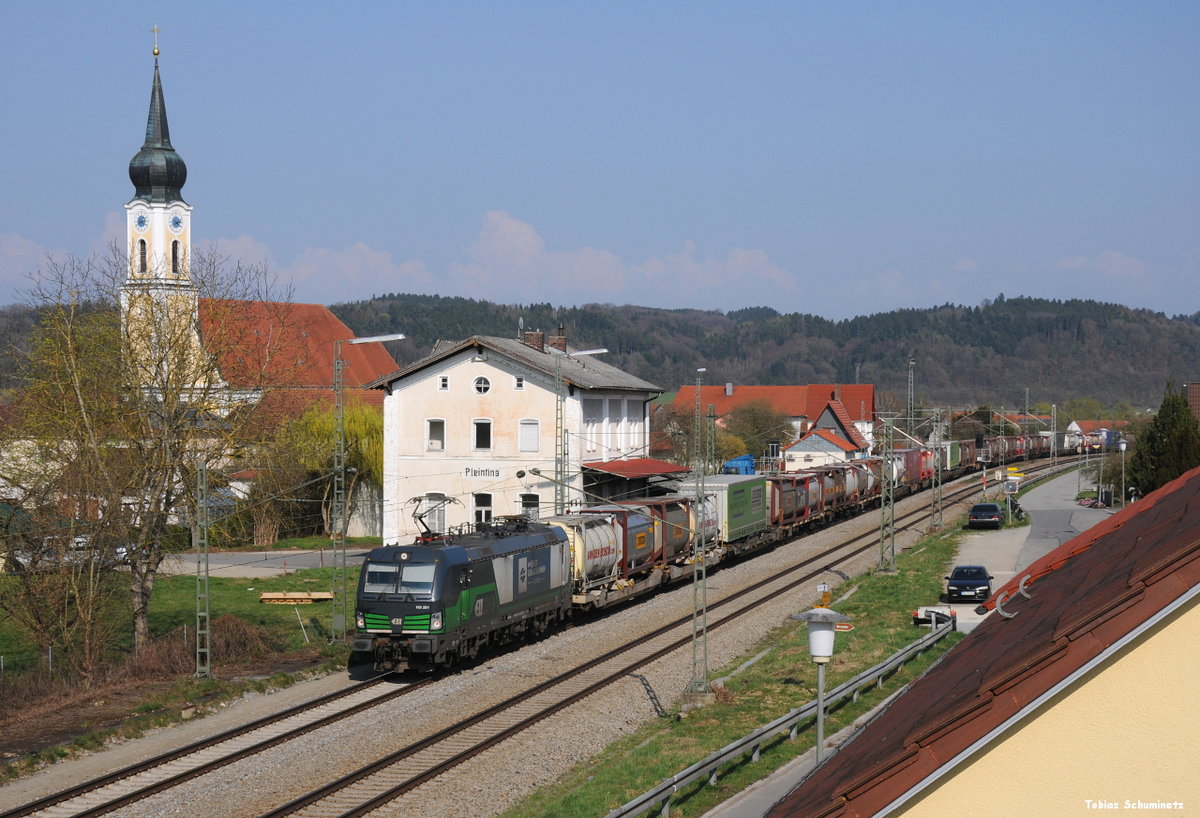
(741, 503)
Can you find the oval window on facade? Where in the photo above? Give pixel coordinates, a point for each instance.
(482, 385)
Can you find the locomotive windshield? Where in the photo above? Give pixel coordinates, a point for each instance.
(413, 579)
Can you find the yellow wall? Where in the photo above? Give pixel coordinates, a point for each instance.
(1130, 732)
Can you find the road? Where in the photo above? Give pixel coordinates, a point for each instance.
(1054, 517)
(252, 564)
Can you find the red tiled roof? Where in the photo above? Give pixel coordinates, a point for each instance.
(272, 343)
(794, 401)
(638, 467)
(843, 417)
(829, 435)
(1104, 588)
(1091, 427)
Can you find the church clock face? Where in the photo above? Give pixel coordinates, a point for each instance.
(176, 222)
(141, 222)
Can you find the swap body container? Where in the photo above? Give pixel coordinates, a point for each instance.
(741, 504)
(673, 523)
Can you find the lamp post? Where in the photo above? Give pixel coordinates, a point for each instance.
(822, 624)
(1121, 444)
(337, 517)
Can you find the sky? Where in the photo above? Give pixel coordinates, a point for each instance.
(837, 159)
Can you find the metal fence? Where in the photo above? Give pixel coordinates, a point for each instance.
(709, 768)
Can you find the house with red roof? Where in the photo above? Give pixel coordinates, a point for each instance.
(834, 439)
(1074, 694)
(803, 405)
(1097, 432)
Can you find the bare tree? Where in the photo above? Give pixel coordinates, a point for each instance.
(137, 385)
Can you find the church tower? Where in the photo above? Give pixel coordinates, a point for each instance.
(159, 300)
(158, 220)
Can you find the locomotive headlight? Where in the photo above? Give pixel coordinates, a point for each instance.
(435, 621)
(359, 620)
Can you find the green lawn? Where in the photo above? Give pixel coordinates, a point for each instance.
(174, 603)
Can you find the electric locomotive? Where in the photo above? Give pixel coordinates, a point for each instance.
(446, 597)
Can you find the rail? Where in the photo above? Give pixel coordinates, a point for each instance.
(709, 767)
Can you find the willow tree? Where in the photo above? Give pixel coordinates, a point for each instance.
(310, 441)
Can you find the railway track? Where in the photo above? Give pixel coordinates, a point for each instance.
(390, 777)
(138, 781)
(370, 787)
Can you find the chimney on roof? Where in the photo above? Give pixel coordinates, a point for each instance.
(559, 341)
(537, 340)
(729, 390)
(837, 393)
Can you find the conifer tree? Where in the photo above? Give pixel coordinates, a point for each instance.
(1170, 446)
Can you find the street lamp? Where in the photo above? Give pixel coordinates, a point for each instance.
(337, 518)
(822, 624)
(1121, 444)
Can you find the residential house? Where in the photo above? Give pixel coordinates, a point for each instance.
(803, 405)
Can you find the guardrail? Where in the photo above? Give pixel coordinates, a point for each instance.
(709, 767)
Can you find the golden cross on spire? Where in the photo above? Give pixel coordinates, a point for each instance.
(154, 31)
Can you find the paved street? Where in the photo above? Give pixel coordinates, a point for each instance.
(250, 564)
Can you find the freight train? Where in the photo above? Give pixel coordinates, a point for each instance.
(446, 597)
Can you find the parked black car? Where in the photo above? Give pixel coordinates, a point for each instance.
(985, 515)
(968, 583)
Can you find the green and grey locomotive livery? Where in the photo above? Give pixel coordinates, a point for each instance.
(446, 597)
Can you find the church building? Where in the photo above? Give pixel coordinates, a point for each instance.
(222, 353)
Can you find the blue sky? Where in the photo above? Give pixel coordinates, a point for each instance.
(828, 158)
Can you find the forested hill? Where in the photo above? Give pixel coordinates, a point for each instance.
(965, 356)
(1059, 350)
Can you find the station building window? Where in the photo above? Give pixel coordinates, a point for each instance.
(433, 509)
(483, 507)
(435, 435)
(529, 435)
(483, 435)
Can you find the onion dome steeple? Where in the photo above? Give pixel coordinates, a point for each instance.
(157, 171)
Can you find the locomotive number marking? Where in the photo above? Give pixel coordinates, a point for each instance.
(479, 607)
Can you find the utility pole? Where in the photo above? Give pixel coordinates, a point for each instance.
(935, 521)
(337, 629)
(699, 682)
(560, 442)
(1053, 434)
(338, 515)
(561, 450)
(912, 362)
(200, 537)
(887, 503)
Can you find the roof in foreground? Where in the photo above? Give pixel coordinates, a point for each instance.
(637, 467)
(586, 372)
(1136, 568)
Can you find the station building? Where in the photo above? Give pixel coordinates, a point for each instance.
(471, 432)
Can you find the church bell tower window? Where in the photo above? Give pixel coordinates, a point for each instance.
(175, 257)
(141, 255)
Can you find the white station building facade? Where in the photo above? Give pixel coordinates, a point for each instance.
(469, 431)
